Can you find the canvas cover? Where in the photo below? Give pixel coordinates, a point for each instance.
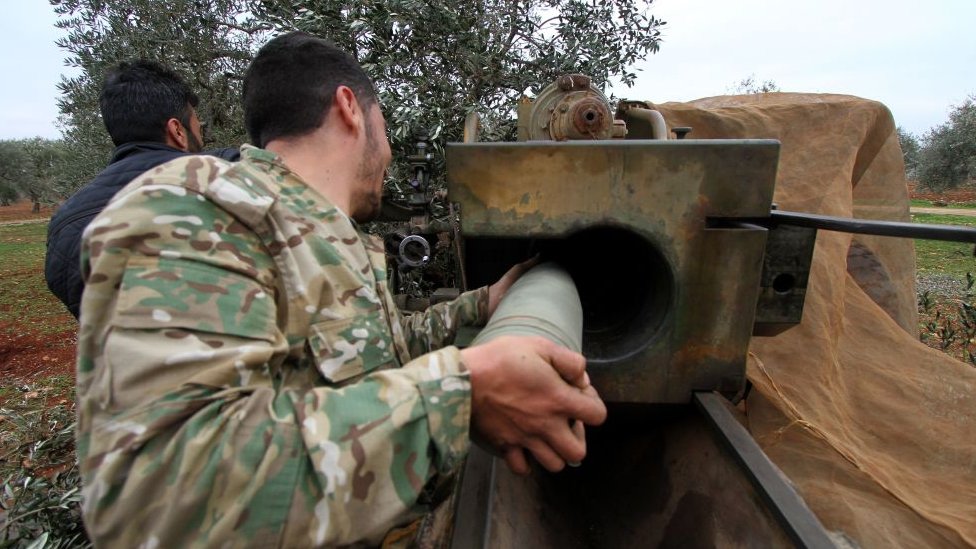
(876, 430)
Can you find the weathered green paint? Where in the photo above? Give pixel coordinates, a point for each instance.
(700, 283)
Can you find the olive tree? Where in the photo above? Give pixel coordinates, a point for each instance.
(33, 169)
(948, 154)
(209, 42)
(45, 181)
(434, 61)
(749, 85)
(14, 169)
(910, 150)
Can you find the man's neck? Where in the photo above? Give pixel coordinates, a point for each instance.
(321, 168)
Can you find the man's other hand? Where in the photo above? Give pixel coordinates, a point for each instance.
(498, 290)
(528, 393)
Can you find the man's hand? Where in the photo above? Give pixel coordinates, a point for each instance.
(498, 290)
(528, 392)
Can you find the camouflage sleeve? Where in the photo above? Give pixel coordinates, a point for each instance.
(198, 424)
(438, 325)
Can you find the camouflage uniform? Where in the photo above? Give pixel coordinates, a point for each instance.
(244, 377)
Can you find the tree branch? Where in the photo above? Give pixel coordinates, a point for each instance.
(249, 31)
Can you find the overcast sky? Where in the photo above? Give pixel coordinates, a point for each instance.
(917, 57)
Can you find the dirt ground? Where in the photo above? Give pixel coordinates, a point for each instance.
(21, 211)
(26, 355)
(26, 352)
(963, 195)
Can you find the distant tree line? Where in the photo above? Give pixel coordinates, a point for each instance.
(34, 169)
(750, 85)
(945, 156)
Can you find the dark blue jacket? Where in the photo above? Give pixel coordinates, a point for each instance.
(62, 265)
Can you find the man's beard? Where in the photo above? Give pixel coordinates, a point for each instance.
(193, 144)
(367, 202)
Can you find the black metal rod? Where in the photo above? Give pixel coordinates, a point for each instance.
(799, 522)
(863, 226)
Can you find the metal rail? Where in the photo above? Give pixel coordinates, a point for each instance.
(789, 509)
(859, 226)
(473, 507)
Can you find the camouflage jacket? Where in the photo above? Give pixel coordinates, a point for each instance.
(244, 376)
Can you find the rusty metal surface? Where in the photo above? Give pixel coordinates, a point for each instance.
(789, 509)
(642, 121)
(786, 272)
(649, 481)
(547, 188)
(569, 108)
(668, 301)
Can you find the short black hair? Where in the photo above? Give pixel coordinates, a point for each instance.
(137, 99)
(290, 85)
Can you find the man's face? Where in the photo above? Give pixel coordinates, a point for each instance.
(375, 158)
(194, 133)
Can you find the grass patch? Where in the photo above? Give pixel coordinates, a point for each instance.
(22, 245)
(23, 291)
(918, 203)
(53, 388)
(951, 258)
(948, 323)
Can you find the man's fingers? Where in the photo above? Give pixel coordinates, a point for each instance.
(529, 263)
(546, 456)
(563, 446)
(565, 441)
(515, 458)
(498, 290)
(570, 365)
(517, 270)
(586, 406)
(579, 431)
(583, 403)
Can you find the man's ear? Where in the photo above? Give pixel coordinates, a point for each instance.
(347, 109)
(176, 135)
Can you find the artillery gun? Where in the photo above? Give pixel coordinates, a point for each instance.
(680, 257)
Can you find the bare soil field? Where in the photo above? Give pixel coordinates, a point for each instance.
(21, 211)
(26, 355)
(963, 195)
(37, 334)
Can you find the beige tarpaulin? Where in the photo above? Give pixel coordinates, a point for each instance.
(876, 430)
